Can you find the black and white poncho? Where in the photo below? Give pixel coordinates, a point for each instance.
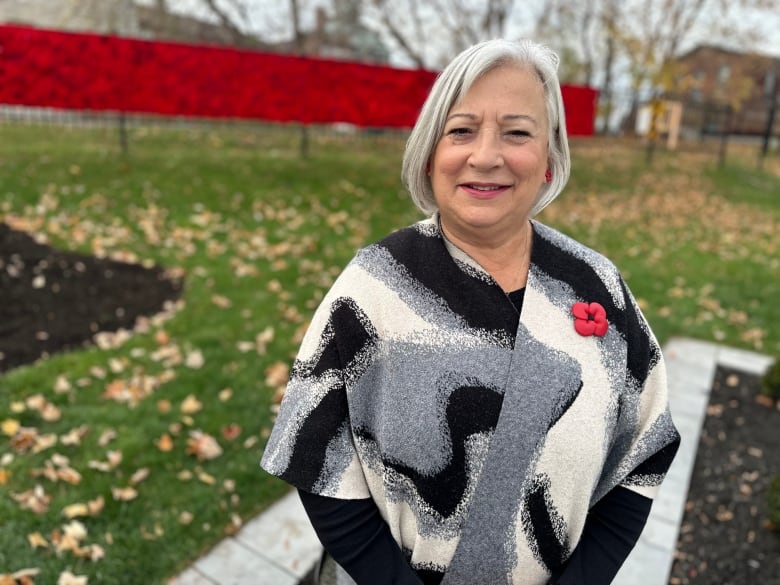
(482, 435)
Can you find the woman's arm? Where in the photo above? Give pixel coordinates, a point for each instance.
(611, 530)
(357, 537)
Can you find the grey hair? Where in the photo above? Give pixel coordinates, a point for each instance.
(451, 86)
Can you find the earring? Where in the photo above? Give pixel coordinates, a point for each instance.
(548, 176)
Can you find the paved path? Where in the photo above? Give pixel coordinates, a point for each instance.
(279, 547)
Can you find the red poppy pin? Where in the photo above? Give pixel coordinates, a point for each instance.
(590, 319)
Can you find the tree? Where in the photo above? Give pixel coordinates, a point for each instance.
(638, 40)
(429, 34)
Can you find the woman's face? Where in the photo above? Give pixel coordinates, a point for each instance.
(491, 160)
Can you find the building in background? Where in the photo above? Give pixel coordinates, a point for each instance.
(721, 88)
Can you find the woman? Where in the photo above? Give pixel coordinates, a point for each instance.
(478, 399)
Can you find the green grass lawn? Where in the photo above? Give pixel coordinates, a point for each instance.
(260, 233)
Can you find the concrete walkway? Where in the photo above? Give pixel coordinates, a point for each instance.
(279, 547)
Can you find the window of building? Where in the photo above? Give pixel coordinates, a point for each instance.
(724, 73)
(770, 83)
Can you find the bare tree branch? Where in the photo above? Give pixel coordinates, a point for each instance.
(238, 36)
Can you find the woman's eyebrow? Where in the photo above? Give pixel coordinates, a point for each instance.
(504, 118)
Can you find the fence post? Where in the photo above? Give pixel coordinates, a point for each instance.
(724, 137)
(123, 144)
(304, 141)
(770, 122)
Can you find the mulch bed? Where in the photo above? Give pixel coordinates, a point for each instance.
(724, 537)
(52, 301)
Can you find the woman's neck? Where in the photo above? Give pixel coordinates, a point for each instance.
(507, 260)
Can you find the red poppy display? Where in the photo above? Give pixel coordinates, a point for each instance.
(590, 319)
(76, 71)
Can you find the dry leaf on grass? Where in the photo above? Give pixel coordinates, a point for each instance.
(195, 360)
(35, 499)
(277, 374)
(106, 437)
(21, 577)
(91, 508)
(74, 436)
(139, 476)
(114, 459)
(10, 427)
(221, 301)
(191, 405)
(206, 478)
(231, 432)
(37, 540)
(68, 578)
(164, 443)
(125, 494)
(203, 446)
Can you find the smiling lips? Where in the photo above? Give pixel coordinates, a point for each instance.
(484, 190)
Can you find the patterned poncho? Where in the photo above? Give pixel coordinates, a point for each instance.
(482, 435)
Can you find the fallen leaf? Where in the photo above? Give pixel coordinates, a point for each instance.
(35, 499)
(139, 476)
(74, 436)
(75, 529)
(157, 532)
(44, 442)
(191, 405)
(221, 301)
(10, 427)
(68, 578)
(184, 475)
(106, 437)
(96, 552)
(37, 540)
(194, 360)
(69, 475)
(203, 446)
(75, 511)
(263, 338)
(125, 494)
(185, 517)
(225, 394)
(231, 431)
(163, 406)
(97, 372)
(96, 506)
(164, 443)
(277, 374)
(206, 478)
(162, 337)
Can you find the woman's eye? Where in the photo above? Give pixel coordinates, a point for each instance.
(459, 132)
(519, 133)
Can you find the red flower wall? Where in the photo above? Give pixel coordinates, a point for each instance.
(93, 72)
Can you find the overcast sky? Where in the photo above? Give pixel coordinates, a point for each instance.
(270, 19)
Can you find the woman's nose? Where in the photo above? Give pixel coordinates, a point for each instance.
(486, 152)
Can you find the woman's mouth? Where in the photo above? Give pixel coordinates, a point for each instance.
(483, 190)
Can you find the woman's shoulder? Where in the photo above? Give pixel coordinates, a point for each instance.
(555, 242)
(411, 235)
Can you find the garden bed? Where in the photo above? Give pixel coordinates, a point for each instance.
(724, 537)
